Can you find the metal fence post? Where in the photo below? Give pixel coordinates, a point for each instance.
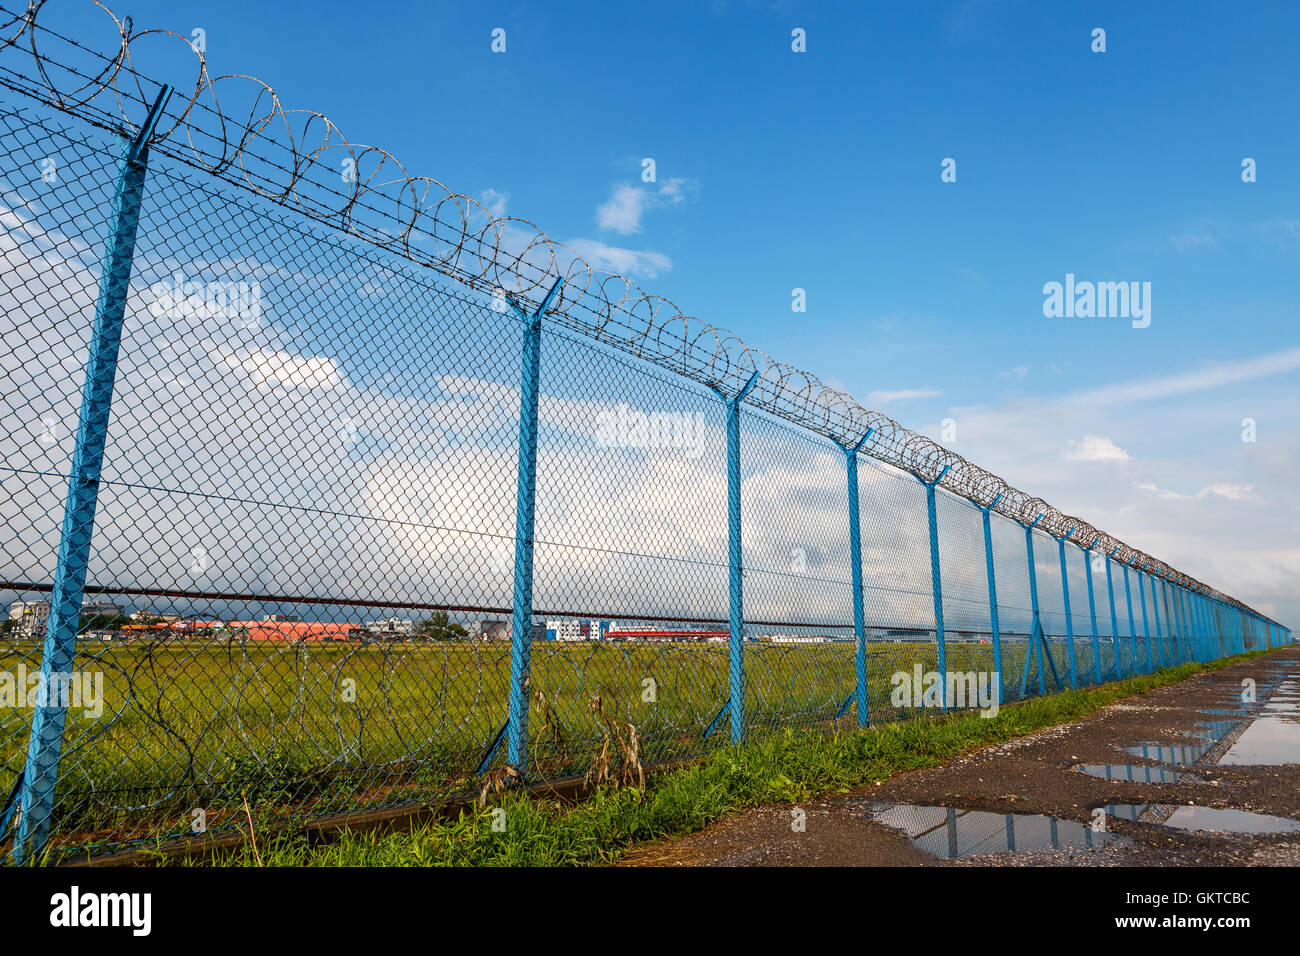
(1114, 620)
(45, 745)
(1092, 607)
(735, 614)
(936, 584)
(1132, 626)
(521, 622)
(1146, 627)
(855, 556)
(993, 592)
(1069, 623)
(1155, 611)
(1036, 635)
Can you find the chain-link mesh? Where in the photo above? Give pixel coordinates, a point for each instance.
(307, 540)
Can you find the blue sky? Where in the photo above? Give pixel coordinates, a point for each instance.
(821, 171)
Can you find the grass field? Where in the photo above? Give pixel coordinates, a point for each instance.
(305, 729)
(776, 768)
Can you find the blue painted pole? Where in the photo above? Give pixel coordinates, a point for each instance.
(1132, 625)
(1184, 625)
(936, 585)
(1092, 607)
(45, 744)
(1155, 610)
(993, 593)
(736, 614)
(1146, 628)
(521, 623)
(855, 557)
(1036, 628)
(1069, 622)
(1114, 620)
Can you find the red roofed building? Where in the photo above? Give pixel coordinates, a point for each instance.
(296, 630)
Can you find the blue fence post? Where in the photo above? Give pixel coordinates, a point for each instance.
(45, 744)
(1092, 606)
(1036, 635)
(1114, 620)
(1069, 623)
(521, 622)
(936, 584)
(855, 557)
(1146, 627)
(993, 592)
(1132, 625)
(1184, 640)
(736, 614)
(1155, 611)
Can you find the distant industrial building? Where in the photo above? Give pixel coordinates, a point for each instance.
(581, 630)
(657, 632)
(31, 617)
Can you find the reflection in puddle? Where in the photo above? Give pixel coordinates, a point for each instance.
(1133, 772)
(1203, 818)
(1269, 740)
(1215, 730)
(950, 833)
(1183, 755)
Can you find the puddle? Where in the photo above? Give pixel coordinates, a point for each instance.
(945, 832)
(1214, 730)
(1271, 736)
(1274, 736)
(1133, 772)
(1203, 818)
(1183, 755)
(1268, 740)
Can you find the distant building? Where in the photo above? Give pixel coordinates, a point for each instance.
(657, 632)
(491, 630)
(392, 627)
(102, 609)
(582, 630)
(32, 617)
(297, 631)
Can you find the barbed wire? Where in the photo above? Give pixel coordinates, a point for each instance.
(300, 159)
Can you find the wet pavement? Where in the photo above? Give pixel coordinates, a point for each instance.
(1208, 775)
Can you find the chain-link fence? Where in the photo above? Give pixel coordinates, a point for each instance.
(326, 491)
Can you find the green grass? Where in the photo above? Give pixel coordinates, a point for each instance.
(782, 767)
(199, 724)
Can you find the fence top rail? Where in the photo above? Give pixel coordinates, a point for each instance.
(234, 126)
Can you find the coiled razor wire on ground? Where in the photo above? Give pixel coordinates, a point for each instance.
(213, 720)
(284, 155)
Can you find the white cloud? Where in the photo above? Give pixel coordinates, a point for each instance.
(621, 213)
(875, 399)
(1020, 371)
(623, 210)
(645, 264)
(494, 202)
(1095, 448)
(1274, 363)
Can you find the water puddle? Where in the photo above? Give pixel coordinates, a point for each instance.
(1203, 818)
(1182, 755)
(1268, 741)
(1133, 772)
(1274, 736)
(945, 832)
